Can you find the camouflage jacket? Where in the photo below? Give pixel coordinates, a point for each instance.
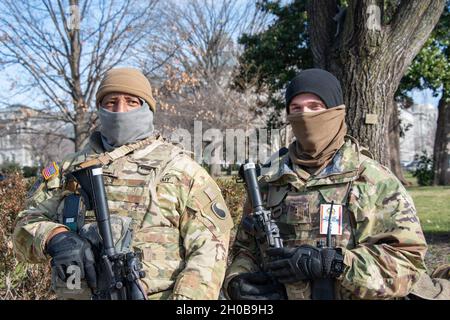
(381, 239)
(184, 238)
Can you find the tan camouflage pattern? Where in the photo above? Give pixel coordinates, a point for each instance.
(382, 240)
(442, 272)
(184, 242)
(434, 287)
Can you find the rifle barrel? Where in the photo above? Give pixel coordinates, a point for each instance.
(252, 186)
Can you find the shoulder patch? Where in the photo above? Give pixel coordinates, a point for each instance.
(50, 171)
(218, 210)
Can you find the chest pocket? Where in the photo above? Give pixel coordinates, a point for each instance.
(297, 214)
(293, 213)
(300, 216)
(128, 192)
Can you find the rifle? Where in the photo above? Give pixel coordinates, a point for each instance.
(322, 289)
(262, 216)
(121, 271)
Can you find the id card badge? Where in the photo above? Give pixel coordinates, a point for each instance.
(336, 219)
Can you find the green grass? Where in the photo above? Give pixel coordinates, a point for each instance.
(433, 207)
(432, 204)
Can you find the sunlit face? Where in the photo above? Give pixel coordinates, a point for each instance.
(306, 102)
(120, 102)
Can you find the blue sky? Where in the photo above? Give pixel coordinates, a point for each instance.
(425, 97)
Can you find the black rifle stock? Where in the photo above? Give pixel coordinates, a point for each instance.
(262, 216)
(122, 270)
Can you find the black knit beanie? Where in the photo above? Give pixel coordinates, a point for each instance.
(317, 81)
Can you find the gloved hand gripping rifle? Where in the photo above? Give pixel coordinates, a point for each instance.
(264, 222)
(122, 271)
(324, 288)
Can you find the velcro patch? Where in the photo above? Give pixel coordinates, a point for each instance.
(211, 193)
(50, 171)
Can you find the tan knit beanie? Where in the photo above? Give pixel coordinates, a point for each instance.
(126, 80)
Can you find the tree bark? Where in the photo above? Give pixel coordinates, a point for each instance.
(370, 62)
(394, 145)
(442, 143)
(80, 107)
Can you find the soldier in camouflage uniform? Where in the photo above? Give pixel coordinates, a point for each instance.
(377, 249)
(180, 221)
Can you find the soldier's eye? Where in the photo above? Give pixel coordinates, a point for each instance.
(133, 103)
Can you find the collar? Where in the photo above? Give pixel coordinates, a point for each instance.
(343, 168)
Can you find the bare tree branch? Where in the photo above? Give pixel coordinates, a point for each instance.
(62, 62)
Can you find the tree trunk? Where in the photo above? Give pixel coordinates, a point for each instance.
(82, 119)
(81, 130)
(369, 90)
(394, 145)
(370, 60)
(442, 143)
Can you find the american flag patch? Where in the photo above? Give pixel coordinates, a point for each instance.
(50, 171)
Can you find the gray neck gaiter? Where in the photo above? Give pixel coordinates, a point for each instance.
(119, 128)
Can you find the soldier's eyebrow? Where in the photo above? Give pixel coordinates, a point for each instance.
(132, 98)
(110, 98)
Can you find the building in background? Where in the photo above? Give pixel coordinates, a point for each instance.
(27, 137)
(419, 124)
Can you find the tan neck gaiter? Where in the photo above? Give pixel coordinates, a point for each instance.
(318, 136)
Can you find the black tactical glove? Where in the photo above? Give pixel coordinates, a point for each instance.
(255, 286)
(305, 262)
(66, 249)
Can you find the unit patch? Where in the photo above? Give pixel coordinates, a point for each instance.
(218, 210)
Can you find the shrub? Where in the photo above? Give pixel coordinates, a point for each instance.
(424, 171)
(18, 280)
(234, 195)
(29, 172)
(9, 167)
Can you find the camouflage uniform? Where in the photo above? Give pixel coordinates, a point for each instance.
(382, 239)
(182, 231)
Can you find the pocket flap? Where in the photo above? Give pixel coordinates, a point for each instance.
(276, 195)
(336, 193)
